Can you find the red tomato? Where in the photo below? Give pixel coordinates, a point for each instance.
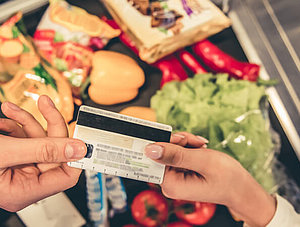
(179, 224)
(149, 208)
(195, 213)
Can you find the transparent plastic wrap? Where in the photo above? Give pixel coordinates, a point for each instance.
(233, 116)
(66, 37)
(27, 77)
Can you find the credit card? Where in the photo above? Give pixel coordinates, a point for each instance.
(116, 142)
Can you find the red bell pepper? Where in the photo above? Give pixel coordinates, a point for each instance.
(219, 61)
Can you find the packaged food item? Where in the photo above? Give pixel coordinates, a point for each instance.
(159, 28)
(102, 188)
(29, 77)
(115, 78)
(66, 36)
(16, 51)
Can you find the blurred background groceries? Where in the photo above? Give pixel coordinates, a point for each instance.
(184, 37)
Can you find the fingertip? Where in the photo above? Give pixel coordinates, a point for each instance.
(75, 150)
(45, 101)
(202, 139)
(6, 107)
(153, 151)
(176, 138)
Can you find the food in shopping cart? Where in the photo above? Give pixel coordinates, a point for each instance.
(159, 28)
(115, 78)
(229, 113)
(28, 77)
(66, 36)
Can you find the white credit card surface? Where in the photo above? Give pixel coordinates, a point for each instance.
(116, 142)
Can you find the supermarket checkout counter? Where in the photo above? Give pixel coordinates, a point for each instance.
(228, 42)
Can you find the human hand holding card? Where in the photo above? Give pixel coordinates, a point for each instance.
(116, 144)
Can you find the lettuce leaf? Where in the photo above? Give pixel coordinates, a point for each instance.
(226, 112)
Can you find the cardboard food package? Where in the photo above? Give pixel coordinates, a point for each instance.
(159, 28)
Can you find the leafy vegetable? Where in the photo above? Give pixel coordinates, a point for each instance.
(60, 64)
(15, 32)
(58, 37)
(41, 72)
(25, 48)
(227, 112)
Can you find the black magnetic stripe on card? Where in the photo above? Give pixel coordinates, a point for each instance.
(122, 127)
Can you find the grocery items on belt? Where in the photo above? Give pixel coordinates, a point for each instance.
(105, 196)
(29, 77)
(150, 208)
(219, 61)
(229, 113)
(190, 61)
(215, 60)
(195, 213)
(66, 37)
(16, 50)
(159, 28)
(171, 69)
(115, 78)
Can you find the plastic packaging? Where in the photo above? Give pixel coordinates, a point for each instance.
(159, 28)
(100, 189)
(66, 37)
(27, 76)
(233, 116)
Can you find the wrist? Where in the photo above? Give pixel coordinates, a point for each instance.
(252, 203)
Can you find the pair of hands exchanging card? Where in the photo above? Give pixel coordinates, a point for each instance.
(115, 144)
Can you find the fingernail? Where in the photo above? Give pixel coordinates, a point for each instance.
(179, 135)
(202, 139)
(50, 102)
(75, 150)
(13, 106)
(154, 151)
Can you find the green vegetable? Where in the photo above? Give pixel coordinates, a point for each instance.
(60, 64)
(227, 112)
(15, 32)
(58, 37)
(41, 72)
(20, 25)
(25, 48)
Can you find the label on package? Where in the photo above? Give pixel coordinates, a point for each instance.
(115, 144)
